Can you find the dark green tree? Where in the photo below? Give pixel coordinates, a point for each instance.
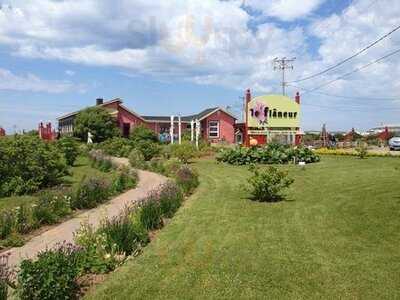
(98, 122)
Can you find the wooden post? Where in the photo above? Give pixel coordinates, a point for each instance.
(171, 130)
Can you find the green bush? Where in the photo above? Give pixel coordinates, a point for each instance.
(150, 214)
(268, 185)
(91, 192)
(28, 164)
(184, 152)
(51, 207)
(97, 121)
(171, 166)
(52, 276)
(123, 180)
(156, 165)
(362, 151)
(148, 149)
(70, 149)
(270, 154)
(142, 133)
(95, 258)
(7, 220)
(136, 159)
(123, 235)
(187, 179)
(24, 221)
(116, 146)
(170, 199)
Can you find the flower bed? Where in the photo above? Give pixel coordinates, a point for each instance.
(347, 152)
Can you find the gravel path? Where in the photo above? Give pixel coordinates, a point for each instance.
(64, 232)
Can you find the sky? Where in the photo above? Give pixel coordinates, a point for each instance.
(181, 56)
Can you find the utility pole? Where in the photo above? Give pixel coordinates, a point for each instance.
(283, 64)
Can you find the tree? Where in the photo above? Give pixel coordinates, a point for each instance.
(98, 121)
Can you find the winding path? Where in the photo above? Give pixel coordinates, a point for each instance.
(64, 232)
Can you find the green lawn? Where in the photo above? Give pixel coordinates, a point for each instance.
(337, 236)
(81, 168)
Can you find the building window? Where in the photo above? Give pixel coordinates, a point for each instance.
(213, 129)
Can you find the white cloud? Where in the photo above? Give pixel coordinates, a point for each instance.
(69, 72)
(33, 83)
(210, 42)
(286, 10)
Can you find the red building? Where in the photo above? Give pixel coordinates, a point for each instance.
(217, 124)
(2, 132)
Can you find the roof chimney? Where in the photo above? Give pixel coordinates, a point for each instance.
(297, 98)
(99, 101)
(248, 96)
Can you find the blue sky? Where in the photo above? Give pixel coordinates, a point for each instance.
(183, 56)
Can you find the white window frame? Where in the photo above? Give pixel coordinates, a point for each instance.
(214, 127)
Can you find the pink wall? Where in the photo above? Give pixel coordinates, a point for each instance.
(226, 127)
(126, 117)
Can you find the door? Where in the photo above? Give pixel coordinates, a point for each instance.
(126, 129)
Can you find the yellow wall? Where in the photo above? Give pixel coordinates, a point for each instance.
(280, 104)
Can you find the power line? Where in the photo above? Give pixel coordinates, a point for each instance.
(355, 70)
(347, 59)
(343, 96)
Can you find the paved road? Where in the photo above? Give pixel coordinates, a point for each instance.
(64, 232)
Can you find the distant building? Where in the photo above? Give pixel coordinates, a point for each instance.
(393, 128)
(217, 124)
(2, 132)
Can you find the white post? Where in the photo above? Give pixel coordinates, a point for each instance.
(192, 131)
(179, 130)
(171, 130)
(197, 133)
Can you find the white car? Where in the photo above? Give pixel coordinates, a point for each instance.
(394, 143)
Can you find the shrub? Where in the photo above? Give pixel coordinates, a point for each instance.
(95, 257)
(123, 235)
(124, 179)
(150, 214)
(184, 152)
(268, 185)
(50, 207)
(116, 146)
(148, 149)
(24, 219)
(6, 223)
(170, 198)
(136, 159)
(28, 164)
(362, 151)
(52, 276)
(156, 165)
(70, 149)
(90, 192)
(172, 166)
(270, 154)
(142, 133)
(187, 179)
(96, 120)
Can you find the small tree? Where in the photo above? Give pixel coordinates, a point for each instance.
(70, 148)
(97, 121)
(362, 151)
(142, 133)
(268, 185)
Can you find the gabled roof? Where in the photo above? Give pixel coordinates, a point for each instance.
(76, 112)
(200, 116)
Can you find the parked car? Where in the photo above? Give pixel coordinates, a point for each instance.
(394, 143)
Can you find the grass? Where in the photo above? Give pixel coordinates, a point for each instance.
(335, 237)
(81, 168)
